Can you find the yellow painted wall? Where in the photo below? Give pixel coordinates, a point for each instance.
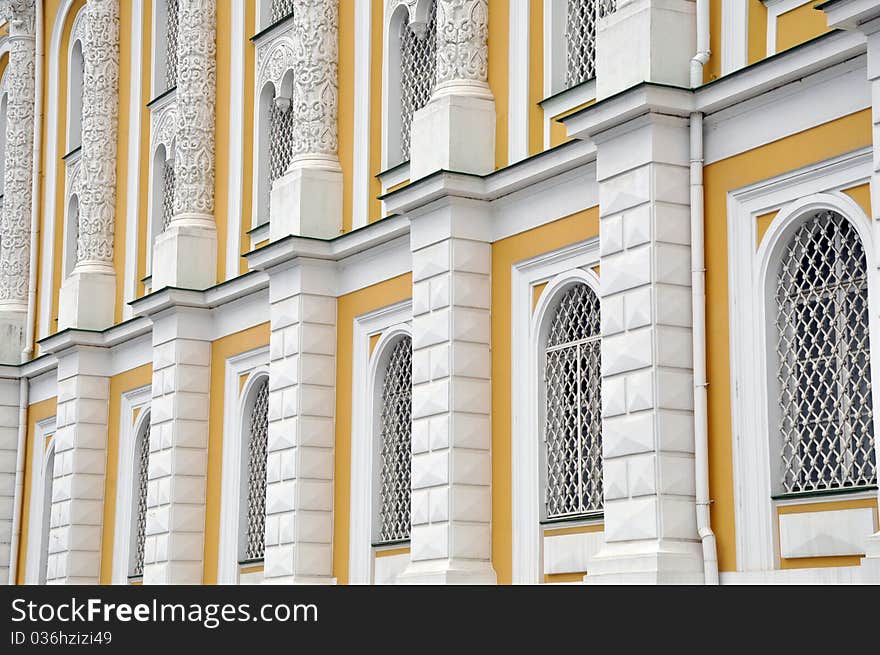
(346, 106)
(499, 44)
(536, 76)
(221, 350)
(348, 307)
(119, 384)
(505, 253)
(831, 139)
(757, 31)
(36, 413)
(799, 25)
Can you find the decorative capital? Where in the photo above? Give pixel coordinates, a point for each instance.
(21, 15)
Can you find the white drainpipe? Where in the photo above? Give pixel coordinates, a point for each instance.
(698, 289)
(27, 353)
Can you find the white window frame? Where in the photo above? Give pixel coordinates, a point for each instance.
(245, 433)
(38, 543)
(775, 8)
(796, 196)
(559, 269)
(75, 80)
(255, 365)
(134, 416)
(391, 322)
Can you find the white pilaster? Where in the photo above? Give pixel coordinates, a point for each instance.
(455, 131)
(15, 220)
(307, 200)
(9, 418)
(88, 296)
(864, 16)
(185, 254)
(451, 470)
(302, 404)
(80, 459)
(178, 446)
(645, 41)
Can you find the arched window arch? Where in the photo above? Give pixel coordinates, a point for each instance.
(822, 353)
(140, 469)
(572, 403)
(46, 516)
(392, 409)
(69, 260)
(275, 141)
(411, 68)
(252, 505)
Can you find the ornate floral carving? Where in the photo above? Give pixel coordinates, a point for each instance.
(274, 60)
(315, 61)
(163, 119)
(15, 224)
(196, 91)
(462, 42)
(97, 200)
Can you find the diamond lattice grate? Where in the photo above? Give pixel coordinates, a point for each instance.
(396, 445)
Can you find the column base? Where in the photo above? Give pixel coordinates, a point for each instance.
(453, 133)
(185, 256)
(448, 572)
(306, 202)
(651, 563)
(87, 300)
(300, 580)
(12, 327)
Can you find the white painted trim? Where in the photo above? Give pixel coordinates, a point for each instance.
(254, 364)
(775, 8)
(794, 194)
(363, 62)
(362, 432)
(130, 430)
(47, 248)
(559, 268)
(563, 102)
(36, 545)
(236, 141)
(136, 101)
(734, 35)
(518, 79)
(555, 46)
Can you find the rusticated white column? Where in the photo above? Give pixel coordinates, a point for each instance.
(174, 546)
(302, 402)
(456, 130)
(88, 295)
(451, 470)
(15, 224)
(307, 200)
(185, 254)
(865, 17)
(80, 459)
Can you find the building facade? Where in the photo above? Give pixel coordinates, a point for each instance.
(439, 291)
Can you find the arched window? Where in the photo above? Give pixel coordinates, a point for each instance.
(48, 478)
(394, 447)
(573, 407)
(75, 80)
(275, 146)
(139, 500)
(418, 73)
(824, 375)
(252, 545)
(581, 26)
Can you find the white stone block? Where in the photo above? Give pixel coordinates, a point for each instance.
(826, 534)
(571, 553)
(306, 202)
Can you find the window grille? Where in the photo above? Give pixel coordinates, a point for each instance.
(172, 28)
(824, 371)
(573, 430)
(580, 38)
(280, 145)
(167, 194)
(255, 528)
(418, 72)
(140, 534)
(281, 9)
(396, 445)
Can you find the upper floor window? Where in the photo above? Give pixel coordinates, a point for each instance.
(581, 26)
(281, 9)
(824, 375)
(166, 20)
(275, 145)
(573, 407)
(253, 512)
(395, 444)
(75, 81)
(139, 501)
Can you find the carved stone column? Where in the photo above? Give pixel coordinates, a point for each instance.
(456, 129)
(88, 295)
(307, 200)
(15, 226)
(185, 254)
